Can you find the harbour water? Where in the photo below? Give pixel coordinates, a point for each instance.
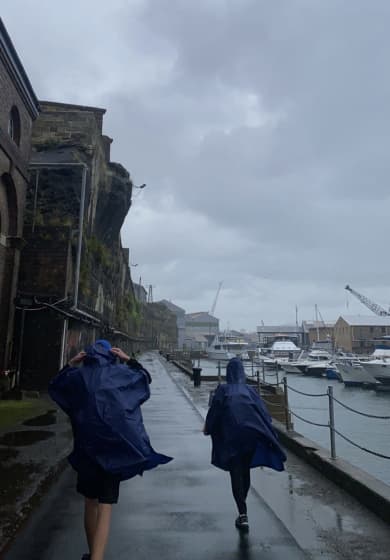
(370, 433)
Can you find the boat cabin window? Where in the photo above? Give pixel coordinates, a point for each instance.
(217, 347)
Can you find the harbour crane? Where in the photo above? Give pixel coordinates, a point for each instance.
(374, 307)
(216, 299)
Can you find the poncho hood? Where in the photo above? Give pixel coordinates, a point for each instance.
(235, 372)
(99, 353)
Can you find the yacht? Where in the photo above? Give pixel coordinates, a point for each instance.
(355, 374)
(376, 366)
(284, 348)
(379, 368)
(316, 363)
(226, 346)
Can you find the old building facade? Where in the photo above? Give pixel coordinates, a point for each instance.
(200, 330)
(359, 334)
(74, 282)
(18, 109)
(179, 313)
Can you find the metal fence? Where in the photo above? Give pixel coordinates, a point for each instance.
(332, 401)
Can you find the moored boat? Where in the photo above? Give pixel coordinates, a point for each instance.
(354, 374)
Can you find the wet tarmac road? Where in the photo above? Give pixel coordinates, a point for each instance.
(183, 510)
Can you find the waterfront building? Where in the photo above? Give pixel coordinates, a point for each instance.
(318, 333)
(359, 333)
(74, 282)
(18, 109)
(180, 321)
(200, 329)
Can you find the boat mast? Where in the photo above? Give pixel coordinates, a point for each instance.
(318, 330)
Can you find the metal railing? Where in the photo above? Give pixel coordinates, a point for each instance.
(331, 424)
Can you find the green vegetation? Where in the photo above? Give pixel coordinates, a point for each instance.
(14, 412)
(99, 251)
(129, 310)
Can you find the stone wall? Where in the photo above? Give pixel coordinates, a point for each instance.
(106, 306)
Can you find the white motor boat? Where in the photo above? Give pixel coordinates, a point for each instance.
(379, 368)
(290, 367)
(317, 369)
(314, 364)
(224, 347)
(354, 374)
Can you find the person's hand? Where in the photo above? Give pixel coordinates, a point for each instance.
(120, 354)
(77, 359)
(204, 430)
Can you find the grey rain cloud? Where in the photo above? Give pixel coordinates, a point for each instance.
(261, 129)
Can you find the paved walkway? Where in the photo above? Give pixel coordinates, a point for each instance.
(180, 511)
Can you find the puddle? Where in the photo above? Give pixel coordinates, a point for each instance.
(6, 454)
(20, 439)
(42, 420)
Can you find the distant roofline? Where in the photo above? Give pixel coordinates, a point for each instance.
(372, 320)
(198, 313)
(86, 108)
(279, 328)
(16, 69)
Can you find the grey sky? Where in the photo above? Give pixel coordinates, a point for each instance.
(261, 129)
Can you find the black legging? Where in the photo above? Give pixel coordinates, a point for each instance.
(241, 481)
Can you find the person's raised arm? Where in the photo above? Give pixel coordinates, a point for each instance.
(131, 362)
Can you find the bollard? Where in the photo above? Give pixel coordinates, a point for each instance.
(196, 371)
(286, 407)
(332, 424)
(168, 357)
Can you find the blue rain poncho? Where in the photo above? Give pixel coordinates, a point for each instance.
(239, 423)
(103, 401)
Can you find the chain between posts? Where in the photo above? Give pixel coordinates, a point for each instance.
(331, 422)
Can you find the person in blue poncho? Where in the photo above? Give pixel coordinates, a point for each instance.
(242, 435)
(103, 400)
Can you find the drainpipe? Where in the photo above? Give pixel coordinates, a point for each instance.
(80, 238)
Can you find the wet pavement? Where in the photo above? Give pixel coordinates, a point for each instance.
(185, 511)
(31, 454)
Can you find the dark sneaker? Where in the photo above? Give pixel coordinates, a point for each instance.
(242, 523)
(86, 557)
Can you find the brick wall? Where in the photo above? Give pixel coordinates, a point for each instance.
(9, 96)
(44, 267)
(13, 180)
(61, 124)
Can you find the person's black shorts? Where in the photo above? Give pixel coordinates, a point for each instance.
(99, 485)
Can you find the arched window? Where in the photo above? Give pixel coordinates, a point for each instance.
(14, 125)
(10, 227)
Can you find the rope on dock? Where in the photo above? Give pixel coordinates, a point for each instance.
(361, 413)
(360, 446)
(307, 394)
(309, 421)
